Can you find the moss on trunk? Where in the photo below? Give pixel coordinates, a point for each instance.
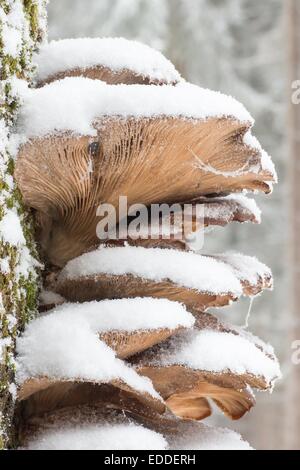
(19, 272)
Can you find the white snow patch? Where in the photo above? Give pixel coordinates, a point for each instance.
(48, 297)
(187, 269)
(10, 228)
(128, 314)
(99, 437)
(198, 436)
(121, 434)
(247, 268)
(73, 104)
(115, 53)
(67, 347)
(217, 351)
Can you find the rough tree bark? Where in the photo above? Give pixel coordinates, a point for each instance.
(22, 27)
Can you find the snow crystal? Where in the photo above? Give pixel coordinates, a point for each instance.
(217, 351)
(66, 347)
(99, 437)
(190, 270)
(115, 53)
(128, 314)
(73, 104)
(11, 229)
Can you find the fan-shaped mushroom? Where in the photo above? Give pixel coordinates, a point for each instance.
(113, 60)
(181, 229)
(196, 280)
(203, 364)
(86, 428)
(128, 326)
(108, 145)
(62, 362)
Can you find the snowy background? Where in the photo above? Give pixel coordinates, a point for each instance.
(237, 47)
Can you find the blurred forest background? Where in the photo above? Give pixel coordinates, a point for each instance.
(240, 47)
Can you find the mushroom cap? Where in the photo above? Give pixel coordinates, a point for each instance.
(62, 362)
(113, 60)
(38, 396)
(182, 228)
(89, 428)
(196, 280)
(128, 326)
(102, 150)
(192, 367)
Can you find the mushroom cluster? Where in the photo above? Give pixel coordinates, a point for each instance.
(125, 344)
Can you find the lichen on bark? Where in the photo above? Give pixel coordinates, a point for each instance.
(22, 27)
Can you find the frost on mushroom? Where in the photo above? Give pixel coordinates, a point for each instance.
(203, 363)
(113, 60)
(151, 144)
(196, 280)
(126, 353)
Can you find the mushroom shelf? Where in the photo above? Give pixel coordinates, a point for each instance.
(125, 353)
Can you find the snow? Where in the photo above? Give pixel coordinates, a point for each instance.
(67, 347)
(187, 269)
(198, 436)
(122, 434)
(216, 351)
(249, 205)
(10, 228)
(12, 40)
(12, 29)
(73, 104)
(115, 53)
(247, 268)
(99, 437)
(48, 297)
(127, 314)
(266, 161)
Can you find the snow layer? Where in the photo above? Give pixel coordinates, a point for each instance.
(248, 204)
(99, 437)
(127, 314)
(65, 346)
(126, 435)
(247, 268)
(115, 53)
(73, 104)
(198, 436)
(216, 351)
(187, 269)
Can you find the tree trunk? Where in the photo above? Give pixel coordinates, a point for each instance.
(22, 27)
(293, 411)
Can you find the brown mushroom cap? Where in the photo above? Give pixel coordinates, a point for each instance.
(112, 60)
(177, 229)
(42, 395)
(250, 278)
(179, 433)
(127, 344)
(186, 389)
(65, 178)
(105, 286)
